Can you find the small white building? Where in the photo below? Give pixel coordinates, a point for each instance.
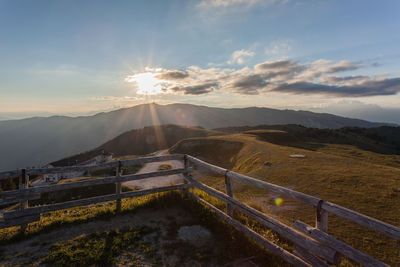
(55, 177)
(102, 158)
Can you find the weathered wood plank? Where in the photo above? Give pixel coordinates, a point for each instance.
(23, 204)
(296, 237)
(382, 227)
(307, 257)
(255, 182)
(20, 221)
(9, 174)
(40, 171)
(87, 201)
(91, 182)
(118, 188)
(15, 200)
(338, 245)
(206, 165)
(374, 224)
(23, 183)
(229, 192)
(275, 249)
(152, 159)
(321, 217)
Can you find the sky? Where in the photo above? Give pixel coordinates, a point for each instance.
(82, 57)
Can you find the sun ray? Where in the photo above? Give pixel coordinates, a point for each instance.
(160, 137)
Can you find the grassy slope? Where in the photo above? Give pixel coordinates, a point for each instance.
(141, 142)
(357, 179)
(384, 140)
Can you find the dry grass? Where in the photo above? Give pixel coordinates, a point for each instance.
(364, 181)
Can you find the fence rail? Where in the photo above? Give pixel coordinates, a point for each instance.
(113, 164)
(313, 245)
(374, 224)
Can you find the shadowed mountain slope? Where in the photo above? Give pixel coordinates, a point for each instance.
(140, 142)
(37, 141)
(383, 140)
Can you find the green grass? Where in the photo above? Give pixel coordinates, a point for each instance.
(99, 249)
(52, 220)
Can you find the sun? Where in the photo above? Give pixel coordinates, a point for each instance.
(147, 83)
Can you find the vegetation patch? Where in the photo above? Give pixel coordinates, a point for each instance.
(99, 249)
(164, 167)
(137, 244)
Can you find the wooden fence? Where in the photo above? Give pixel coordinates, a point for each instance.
(313, 246)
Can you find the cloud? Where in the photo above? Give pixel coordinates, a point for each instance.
(320, 67)
(194, 89)
(276, 65)
(227, 3)
(173, 75)
(278, 76)
(115, 98)
(240, 56)
(275, 68)
(248, 84)
(343, 65)
(348, 80)
(367, 88)
(278, 48)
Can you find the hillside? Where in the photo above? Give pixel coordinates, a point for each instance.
(140, 142)
(384, 139)
(362, 180)
(37, 141)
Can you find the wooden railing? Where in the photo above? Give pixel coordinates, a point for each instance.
(313, 246)
(26, 214)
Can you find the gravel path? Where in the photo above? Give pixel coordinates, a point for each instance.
(158, 181)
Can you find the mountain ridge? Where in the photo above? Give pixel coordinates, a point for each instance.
(39, 140)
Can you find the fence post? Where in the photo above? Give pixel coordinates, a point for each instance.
(118, 187)
(229, 192)
(185, 162)
(23, 183)
(185, 174)
(321, 218)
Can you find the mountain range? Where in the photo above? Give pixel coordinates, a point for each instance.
(39, 140)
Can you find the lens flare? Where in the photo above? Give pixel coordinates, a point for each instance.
(278, 201)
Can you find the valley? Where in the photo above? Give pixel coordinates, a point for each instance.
(353, 167)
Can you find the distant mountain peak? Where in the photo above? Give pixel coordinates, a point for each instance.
(37, 141)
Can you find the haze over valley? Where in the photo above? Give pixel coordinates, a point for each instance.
(37, 141)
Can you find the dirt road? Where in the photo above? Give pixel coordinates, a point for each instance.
(158, 181)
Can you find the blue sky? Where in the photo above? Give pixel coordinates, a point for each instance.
(79, 57)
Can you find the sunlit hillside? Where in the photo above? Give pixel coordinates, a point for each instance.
(362, 180)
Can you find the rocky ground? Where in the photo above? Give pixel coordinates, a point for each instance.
(174, 239)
